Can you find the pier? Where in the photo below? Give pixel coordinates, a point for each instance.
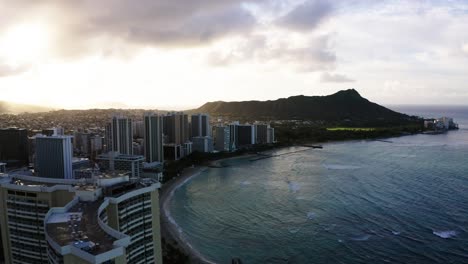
(268, 156)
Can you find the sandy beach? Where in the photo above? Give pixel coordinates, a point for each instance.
(170, 231)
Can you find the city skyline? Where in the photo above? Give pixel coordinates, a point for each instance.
(181, 55)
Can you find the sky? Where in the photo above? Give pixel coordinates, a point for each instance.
(179, 54)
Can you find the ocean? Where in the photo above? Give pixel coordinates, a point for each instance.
(400, 200)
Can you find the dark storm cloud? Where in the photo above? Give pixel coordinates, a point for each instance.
(83, 24)
(121, 27)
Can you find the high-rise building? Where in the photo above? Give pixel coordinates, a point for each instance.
(176, 128)
(82, 143)
(153, 138)
(233, 141)
(107, 218)
(54, 157)
(271, 135)
(138, 129)
(173, 152)
(200, 125)
(261, 133)
(14, 149)
(95, 146)
(119, 135)
(222, 138)
(245, 135)
(202, 144)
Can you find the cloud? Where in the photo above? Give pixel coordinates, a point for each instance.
(335, 78)
(307, 15)
(85, 25)
(464, 48)
(7, 70)
(312, 55)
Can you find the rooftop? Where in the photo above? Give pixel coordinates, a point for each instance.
(119, 156)
(126, 187)
(79, 227)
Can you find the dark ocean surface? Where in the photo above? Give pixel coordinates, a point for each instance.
(401, 200)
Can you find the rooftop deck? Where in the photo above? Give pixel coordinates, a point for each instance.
(79, 227)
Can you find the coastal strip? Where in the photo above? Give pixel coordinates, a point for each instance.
(170, 230)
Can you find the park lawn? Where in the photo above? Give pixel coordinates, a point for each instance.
(350, 129)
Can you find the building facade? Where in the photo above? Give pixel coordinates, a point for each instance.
(54, 157)
(200, 125)
(245, 135)
(153, 138)
(202, 144)
(119, 135)
(222, 138)
(176, 128)
(114, 161)
(14, 149)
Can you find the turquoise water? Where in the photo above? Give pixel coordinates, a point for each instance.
(400, 201)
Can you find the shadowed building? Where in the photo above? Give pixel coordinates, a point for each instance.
(245, 135)
(176, 128)
(200, 125)
(153, 138)
(54, 157)
(14, 149)
(222, 138)
(119, 135)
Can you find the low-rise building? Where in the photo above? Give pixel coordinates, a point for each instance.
(114, 161)
(203, 144)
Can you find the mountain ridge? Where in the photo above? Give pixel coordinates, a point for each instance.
(342, 106)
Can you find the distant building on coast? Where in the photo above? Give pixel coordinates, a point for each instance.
(222, 138)
(235, 136)
(442, 123)
(200, 125)
(202, 144)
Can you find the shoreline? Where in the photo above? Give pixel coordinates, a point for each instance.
(170, 230)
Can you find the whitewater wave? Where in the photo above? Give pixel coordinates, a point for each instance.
(293, 230)
(246, 183)
(445, 234)
(340, 167)
(396, 233)
(294, 186)
(361, 238)
(404, 156)
(311, 215)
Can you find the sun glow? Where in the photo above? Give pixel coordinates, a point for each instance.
(24, 44)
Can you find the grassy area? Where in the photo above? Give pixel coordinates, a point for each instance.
(350, 129)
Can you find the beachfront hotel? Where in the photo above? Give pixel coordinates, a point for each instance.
(109, 218)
